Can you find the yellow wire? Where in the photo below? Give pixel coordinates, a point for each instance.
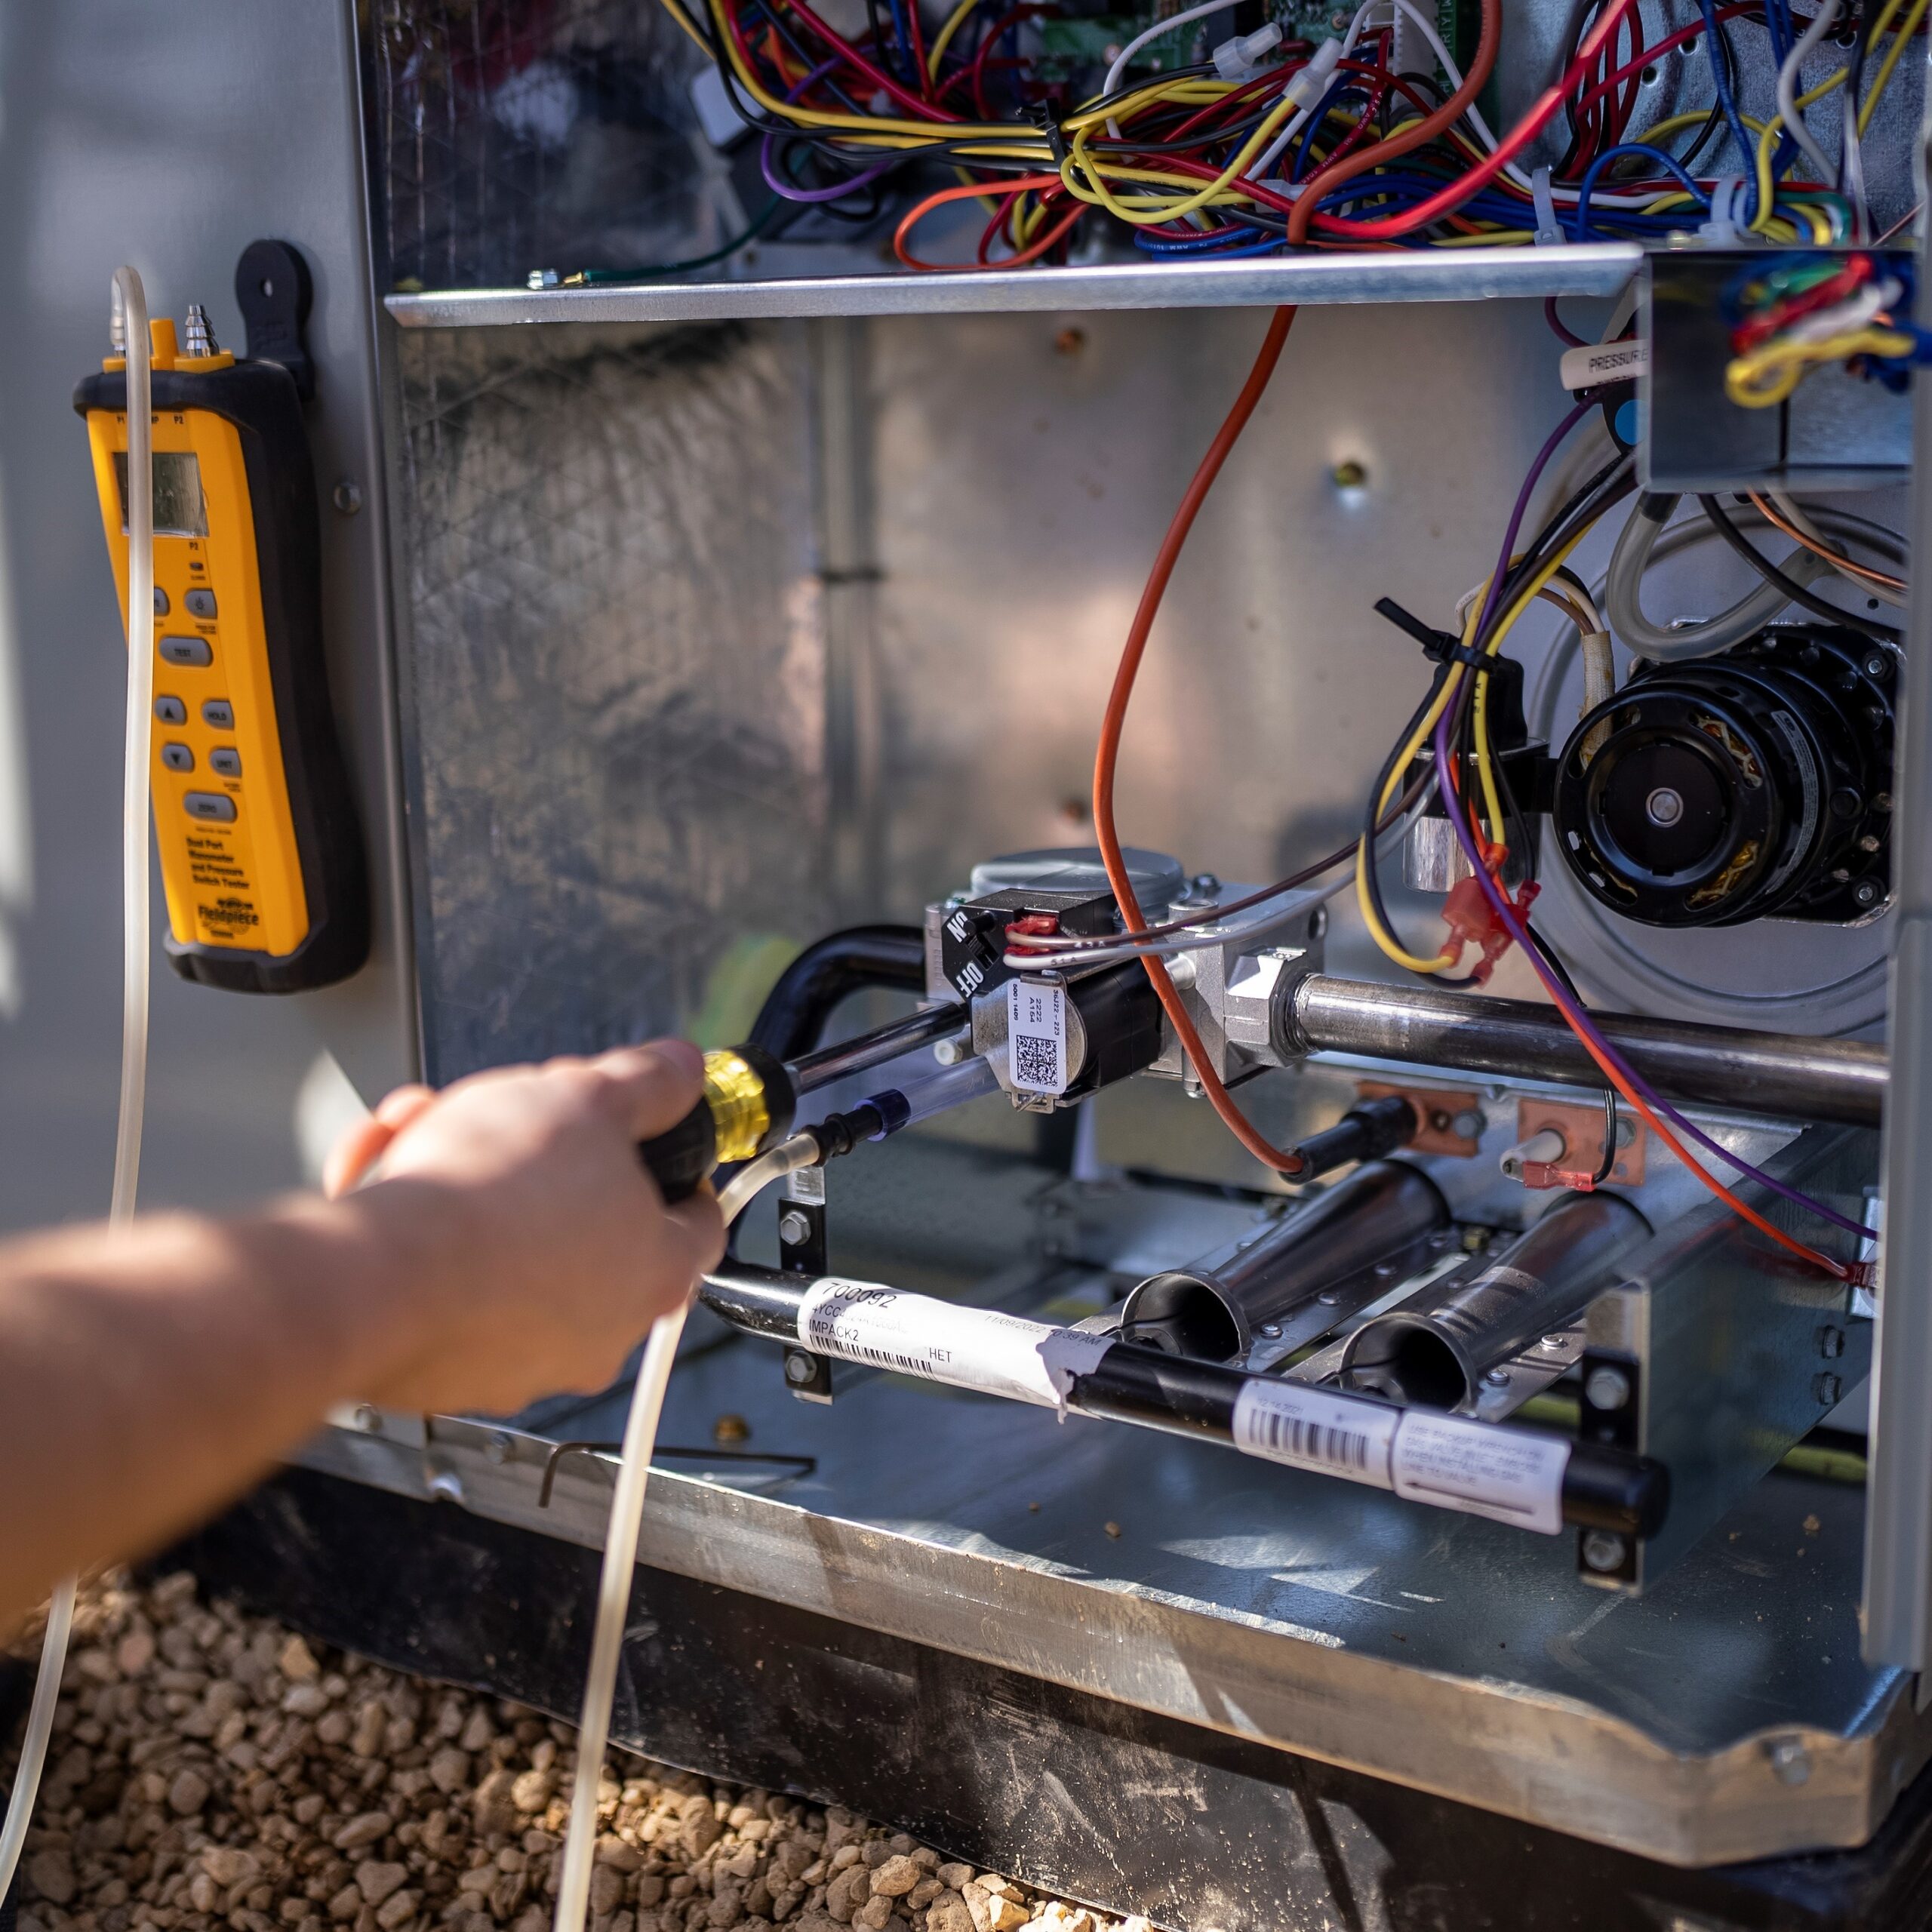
(1767, 139)
(1767, 375)
(1907, 28)
(955, 21)
(1170, 211)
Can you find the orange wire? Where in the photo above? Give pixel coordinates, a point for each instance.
(977, 190)
(1769, 511)
(1284, 1160)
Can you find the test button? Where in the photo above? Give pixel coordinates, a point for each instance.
(210, 806)
(187, 650)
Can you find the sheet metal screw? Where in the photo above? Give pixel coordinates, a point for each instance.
(1827, 1389)
(1791, 1763)
(446, 1486)
(1496, 1378)
(347, 496)
(1604, 1551)
(368, 1419)
(1831, 1342)
(1607, 1388)
(497, 1447)
(1865, 892)
(1349, 473)
(1271, 1330)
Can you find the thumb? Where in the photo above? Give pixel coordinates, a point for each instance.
(651, 1089)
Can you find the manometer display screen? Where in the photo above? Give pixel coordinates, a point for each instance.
(180, 508)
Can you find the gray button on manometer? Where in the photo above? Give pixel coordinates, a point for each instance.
(171, 710)
(177, 757)
(219, 713)
(226, 761)
(193, 651)
(200, 603)
(210, 806)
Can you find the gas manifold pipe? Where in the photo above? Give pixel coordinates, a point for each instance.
(1436, 1347)
(1382, 1216)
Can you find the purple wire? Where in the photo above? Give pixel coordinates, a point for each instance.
(1544, 455)
(1581, 1020)
(777, 183)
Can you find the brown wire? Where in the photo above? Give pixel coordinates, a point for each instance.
(1771, 514)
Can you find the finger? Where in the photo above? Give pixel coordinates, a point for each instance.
(701, 1228)
(354, 1155)
(651, 1089)
(370, 1138)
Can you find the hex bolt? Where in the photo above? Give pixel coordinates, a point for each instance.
(1791, 1763)
(1607, 1388)
(794, 1229)
(798, 1367)
(1831, 1342)
(1827, 1389)
(1604, 1552)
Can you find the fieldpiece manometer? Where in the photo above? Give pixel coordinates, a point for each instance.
(261, 855)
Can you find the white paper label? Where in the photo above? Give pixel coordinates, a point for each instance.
(1509, 1474)
(1288, 1422)
(910, 1334)
(1036, 1036)
(1597, 363)
(807, 1185)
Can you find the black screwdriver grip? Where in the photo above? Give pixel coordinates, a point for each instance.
(680, 1159)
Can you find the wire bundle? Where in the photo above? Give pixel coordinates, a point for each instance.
(1222, 157)
(1796, 313)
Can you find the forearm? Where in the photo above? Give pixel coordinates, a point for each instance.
(147, 1376)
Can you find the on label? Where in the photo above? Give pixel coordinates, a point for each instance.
(1288, 1422)
(1510, 1475)
(1036, 1036)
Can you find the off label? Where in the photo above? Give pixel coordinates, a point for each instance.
(1036, 1036)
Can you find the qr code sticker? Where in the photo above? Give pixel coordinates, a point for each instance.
(1035, 1063)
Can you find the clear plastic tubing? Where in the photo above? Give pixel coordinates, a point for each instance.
(130, 322)
(942, 1088)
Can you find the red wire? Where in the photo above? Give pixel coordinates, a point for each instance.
(1017, 184)
(1283, 1161)
(916, 28)
(1668, 44)
(1513, 143)
(927, 110)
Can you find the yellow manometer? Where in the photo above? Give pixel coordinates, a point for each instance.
(260, 851)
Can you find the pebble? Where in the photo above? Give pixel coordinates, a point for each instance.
(212, 1772)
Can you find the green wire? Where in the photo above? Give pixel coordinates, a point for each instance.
(596, 278)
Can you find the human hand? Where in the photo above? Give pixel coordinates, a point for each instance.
(535, 1247)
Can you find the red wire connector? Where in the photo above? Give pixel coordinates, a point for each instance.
(1542, 1174)
(1473, 921)
(1033, 925)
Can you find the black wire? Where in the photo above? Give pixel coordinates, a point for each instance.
(1832, 613)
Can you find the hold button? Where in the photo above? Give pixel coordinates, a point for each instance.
(209, 806)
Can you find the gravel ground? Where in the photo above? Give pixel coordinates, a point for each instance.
(210, 1769)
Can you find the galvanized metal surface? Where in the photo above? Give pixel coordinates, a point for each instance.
(1457, 275)
(1453, 1655)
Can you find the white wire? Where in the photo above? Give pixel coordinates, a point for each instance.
(620, 1566)
(1154, 32)
(1788, 112)
(130, 304)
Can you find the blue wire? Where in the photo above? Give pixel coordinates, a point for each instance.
(1712, 48)
(1580, 221)
(1330, 99)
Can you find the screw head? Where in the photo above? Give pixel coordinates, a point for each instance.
(1349, 473)
(1831, 1342)
(1791, 1763)
(1270, 1331)
(730, 1428)
(798, 1367)
(794, 1227)
(1604, 1552)
(497, 1447)
(1607, 1388)
(1865, 892)
(1468, 1125)
(1875, 666)
(347, 496)
(1664, 806)
(368, 1419)
(1827, 1389)
(1496, 1378)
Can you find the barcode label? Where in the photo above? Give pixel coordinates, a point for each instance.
(1036, 1036)
(1512, 1475)
(1287, 1422)
(939, 1341)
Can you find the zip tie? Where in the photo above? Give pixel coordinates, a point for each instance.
(1720, 228)
(1549, 230)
